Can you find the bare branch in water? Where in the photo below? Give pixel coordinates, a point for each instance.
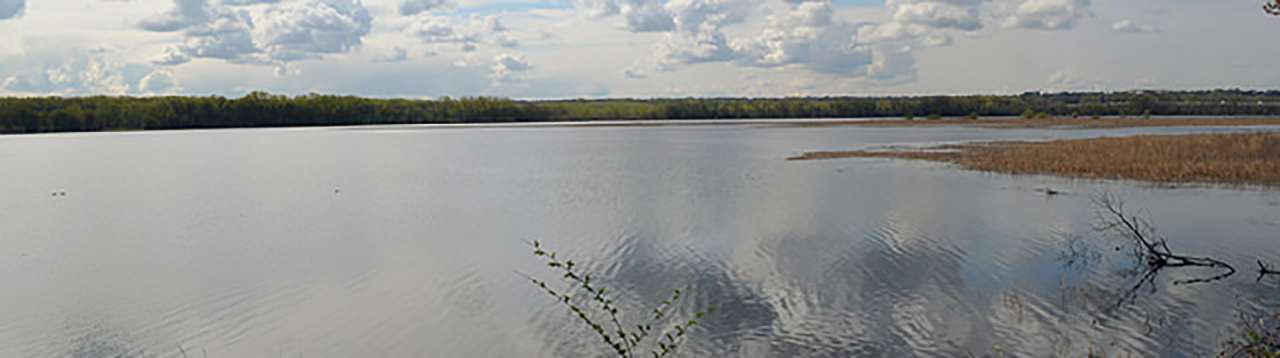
(1153, 248)
(1264, 269)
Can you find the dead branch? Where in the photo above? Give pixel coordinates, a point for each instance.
(1153, 249)
(1264, 269)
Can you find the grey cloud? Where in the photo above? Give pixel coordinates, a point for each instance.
(1131, 27)
(11, 9)
(507, 66)
(633, 73)
(806, 38)
(939, 15)
(646, 16)
(596, 8)
(413, 7)
(1049, 14)
(228, 37)
(892, 65)
(279, 33)
(248, 2)
(697, 36)
(185, 14)
(467, 31)
(398, 54)
(308, 30)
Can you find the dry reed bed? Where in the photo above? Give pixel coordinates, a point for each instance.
(1076, 123)
(1239, 158)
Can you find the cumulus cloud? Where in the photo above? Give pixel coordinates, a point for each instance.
(157, 82)
(413, 7)
(186, 13)
(891, 66)
(466, 31)
(248, 2)
(1130, 26)
(274, 33)
(71, 72)
(11, 9)
(808, 37)
(507, 67)
(939, 15)
(1049, 14)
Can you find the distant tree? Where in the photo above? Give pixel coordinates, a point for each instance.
(1272, 7)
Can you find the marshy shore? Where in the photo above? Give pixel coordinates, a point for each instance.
(1231, 158)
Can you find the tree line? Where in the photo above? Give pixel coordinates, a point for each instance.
(260, 109)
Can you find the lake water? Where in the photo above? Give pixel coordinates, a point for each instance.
(412, 242)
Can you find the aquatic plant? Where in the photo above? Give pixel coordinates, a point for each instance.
(1257, 339)
(601, 313)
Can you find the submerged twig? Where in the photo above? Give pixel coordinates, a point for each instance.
(1264, 269)
(1153, 249)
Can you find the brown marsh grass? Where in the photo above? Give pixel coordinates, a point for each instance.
(1240, 158)
(1066, 123)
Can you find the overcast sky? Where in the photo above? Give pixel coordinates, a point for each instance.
(631, 48)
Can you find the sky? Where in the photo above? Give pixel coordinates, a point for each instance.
(631, 48)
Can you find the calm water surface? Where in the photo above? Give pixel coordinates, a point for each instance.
(410, 242)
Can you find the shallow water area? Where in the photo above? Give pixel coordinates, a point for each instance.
(405, 242)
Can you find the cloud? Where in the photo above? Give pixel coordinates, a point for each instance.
(157, 82)
(808, 37)
(697, 36)
(596, 8)
(11, 9)
(413, 7)
(248, 2)
(306, 30)
(1049, 14)
(229, 36)
(398, 54)
(185, 14)
(1129, 26)
(69, 72)
(646, 16)
(940, 15)
(467, 31)
(507, 67)
(633, 73)
(274, 33)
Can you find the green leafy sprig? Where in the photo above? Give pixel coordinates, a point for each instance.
(613, 332)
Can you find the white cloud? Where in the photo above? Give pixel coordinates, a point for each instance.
(940, 15)
(1131, 27)
(507, 67)
(11, 9)
(158, 82)
(274, 33)
(808, 37)
(468, 31)
(892, 65)
(305, 30)
(413, 7)
(72, 72)
(1049, 14)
